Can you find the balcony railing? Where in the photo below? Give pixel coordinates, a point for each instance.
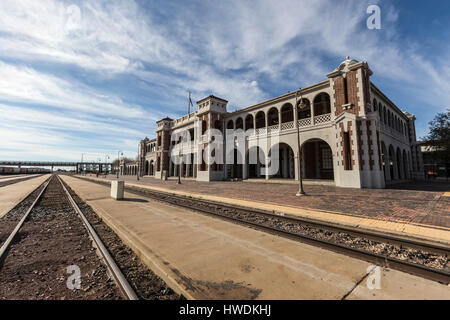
(287, 125)
(304, 122)
(323, 118)
(260, 131)
(273, 128)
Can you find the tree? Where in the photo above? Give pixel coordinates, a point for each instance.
(439, 136)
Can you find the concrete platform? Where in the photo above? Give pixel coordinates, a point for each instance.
(13, 194)
(10, 176)
(18, 177)
(399, 227)
(206, 258)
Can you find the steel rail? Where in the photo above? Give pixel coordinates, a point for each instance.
(119, 278)
(384, 260)
(8, 241)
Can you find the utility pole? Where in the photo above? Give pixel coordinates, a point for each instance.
(300, 191)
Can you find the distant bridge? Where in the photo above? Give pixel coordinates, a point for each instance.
(80, 166)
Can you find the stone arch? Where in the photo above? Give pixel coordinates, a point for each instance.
(255, 160)
(385, 161)
(405, 165)
(152, 168)
(392, 163)
(239, 123)
(286, 161)
(249, 122)
(317, 159)
(287, 113)
(204, 125)
(399, 164)
(306, 111)
(146, 167)
(321, 104)
(272, 117)
(235, 170)
(217, 125)
(260, 119)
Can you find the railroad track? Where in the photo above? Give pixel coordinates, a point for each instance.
(123, 285)
(422, 258)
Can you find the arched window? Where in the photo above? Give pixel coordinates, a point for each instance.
(287, 113)
(230, 124)
(249, 122)
(218, 125)
(322, 104)
(272, 117)
(203, 127)
(374, 105)
(260, 120)
(306, 111)
(239, 123)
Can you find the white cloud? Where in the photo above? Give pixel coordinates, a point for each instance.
(24, 84)
(240, 50)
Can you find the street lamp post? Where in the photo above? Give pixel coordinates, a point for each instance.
(179, 167)
(106, 166)
(118, 162)
(138, 164)
(82, 165)
(99, 166)
(300, 191)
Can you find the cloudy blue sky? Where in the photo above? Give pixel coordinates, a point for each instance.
(93, 76)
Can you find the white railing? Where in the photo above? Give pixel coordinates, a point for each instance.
(323, 118)
(273, 128)
(304, 122)
(287, 125)
(260, 131)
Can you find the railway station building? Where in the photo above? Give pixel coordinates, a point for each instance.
(351, 135)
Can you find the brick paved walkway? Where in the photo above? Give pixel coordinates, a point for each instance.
(420, 202)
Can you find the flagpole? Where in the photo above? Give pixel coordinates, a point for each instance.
(189, 103)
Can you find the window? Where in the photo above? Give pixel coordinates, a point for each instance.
(327, 158)
(203, 127)
(347, 153)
